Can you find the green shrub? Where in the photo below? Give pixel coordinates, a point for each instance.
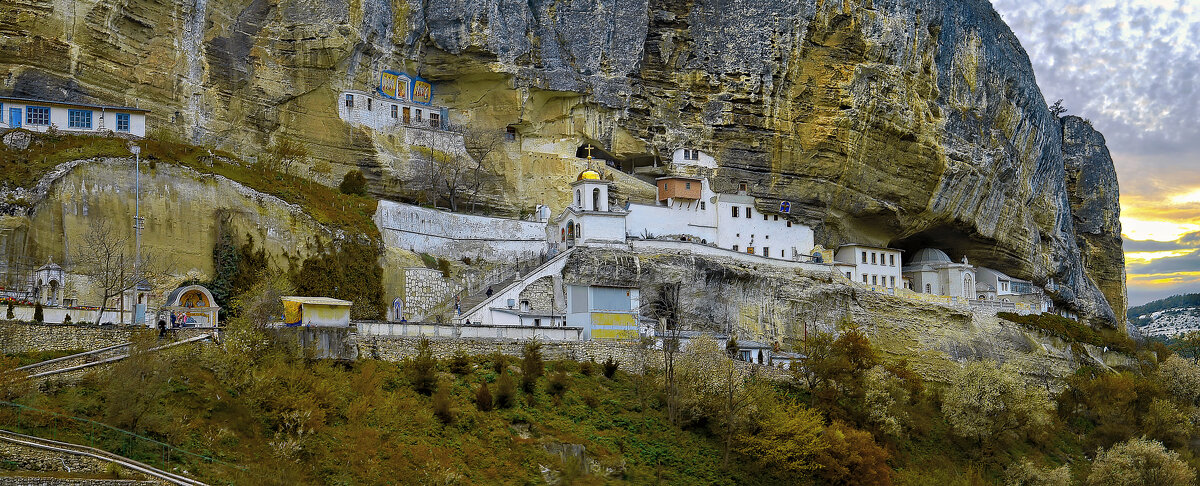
(354, 184)
(587, 368)
(1073, 330)
(499, 361)
(483, 398)
(610, 367)
(506, 391)
(532, 365)
(444, 265)
(37, 313)
(441, 406)
(423, 369)
(460, 363)
(558, 384)
(429, 261)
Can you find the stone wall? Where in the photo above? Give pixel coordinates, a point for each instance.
(628, 354)
(65, 481)
(424, 290)
(51, 481)
(16, 337)
(34, 459)
(541, 296)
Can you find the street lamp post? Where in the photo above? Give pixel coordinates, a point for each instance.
(137, 227)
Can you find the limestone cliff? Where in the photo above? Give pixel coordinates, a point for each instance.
(773, 304)
(1095, 205)
(901, 122)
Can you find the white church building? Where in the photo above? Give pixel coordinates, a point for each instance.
(686, 209)
(931, 271)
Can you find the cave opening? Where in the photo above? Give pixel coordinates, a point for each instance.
(627, 165)
(958, 242)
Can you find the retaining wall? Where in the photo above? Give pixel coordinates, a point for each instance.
(454, 236)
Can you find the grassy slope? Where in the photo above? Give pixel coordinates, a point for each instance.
(364, 424)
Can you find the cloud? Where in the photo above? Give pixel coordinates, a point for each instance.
(1188, 262)
(1133, 68)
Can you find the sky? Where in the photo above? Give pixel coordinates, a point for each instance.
(1132, 67)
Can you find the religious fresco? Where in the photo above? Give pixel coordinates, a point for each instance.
(194, 298)
(401, 86)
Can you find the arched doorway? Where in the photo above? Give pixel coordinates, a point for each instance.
(192, 306)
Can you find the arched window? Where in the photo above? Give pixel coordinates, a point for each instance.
(578, 198)
(967, 285)
(570, 229)
(596, 199)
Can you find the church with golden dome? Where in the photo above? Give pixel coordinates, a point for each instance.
(590, 219)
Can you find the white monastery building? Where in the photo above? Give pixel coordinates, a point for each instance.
(400, 100)
(932, 272)
(871, 265)
(39, 115)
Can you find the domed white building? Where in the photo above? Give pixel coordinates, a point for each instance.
(931, 271)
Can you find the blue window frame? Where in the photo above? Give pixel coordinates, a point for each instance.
(79, 119)
(122, 122)
(37, 115)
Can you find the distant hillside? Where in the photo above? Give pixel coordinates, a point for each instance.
(1172, 316)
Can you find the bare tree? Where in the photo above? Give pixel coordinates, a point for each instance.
(108, 260)
(444, 172)
(666, 310)
(480, 145)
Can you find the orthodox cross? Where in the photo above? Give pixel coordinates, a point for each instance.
(589, 148)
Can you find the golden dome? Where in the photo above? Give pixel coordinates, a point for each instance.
(589, 175)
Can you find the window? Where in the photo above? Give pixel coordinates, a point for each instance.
(79, 119)
(864, 278)
(864, 257)
(435, 120)
(418, 115)
(747, 212)
(874, 280)
(349, 101)
(892, 260)
(766, 251)
(735, 211)
(735, 248)
(847, 274)
(782, 253)
(702, 205)
(872, 258)
(687, 185)
(742, 187)
(510, 133)
(892, 282)
(776, 217)
(122, 122)
(789, 224)
(395, 111)
(369, 104)
(764, 217)
(666, 186)
(928, 289)
(37, 115)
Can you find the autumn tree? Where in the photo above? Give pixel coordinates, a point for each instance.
(666, 309)
(984, 402)
(444, 169)
(712, 387)
(285, 153)
(1026, 473)
(1181, 378)
(1139, 462)
(788, 440)
(852, 458)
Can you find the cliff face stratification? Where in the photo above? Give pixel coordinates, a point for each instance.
(1096, 207)
(903, 122)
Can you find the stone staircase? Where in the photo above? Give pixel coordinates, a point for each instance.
(96, 357)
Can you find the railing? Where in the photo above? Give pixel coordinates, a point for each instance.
(41, 423)
(506, 271)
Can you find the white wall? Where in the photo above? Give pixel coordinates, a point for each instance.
(449, 330)
(453, 235)
(887, 267)
(59, 118)
(679, 218)
(379, 117)
(698, 249)
(772, 233)
(705, 160)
